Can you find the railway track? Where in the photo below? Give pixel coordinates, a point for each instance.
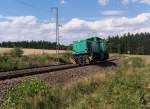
(35, 71)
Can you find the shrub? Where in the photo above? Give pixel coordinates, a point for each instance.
(125, 89)
(137, 62)
(12, 63)
(15, 60)
(6, 63)
(120, 91)
(32, 94)
(65, 58)
(16, 52)
(40, 60)
(133, 62)
(22, 63)
(29, 88)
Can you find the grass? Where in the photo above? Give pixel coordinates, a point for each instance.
(34, 51)
(16, 60)
(122, 88)
(146, 58)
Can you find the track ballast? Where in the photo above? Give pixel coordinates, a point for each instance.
(35, 71)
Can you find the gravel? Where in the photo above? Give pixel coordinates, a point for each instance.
(58, 77)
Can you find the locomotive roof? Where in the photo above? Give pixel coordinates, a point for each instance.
(94, 37)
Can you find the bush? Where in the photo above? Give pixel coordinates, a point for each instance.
(16, 52)
(137, 62)
(124, 90)
(32, 94)
(39, 60)
(65, 58)
(8, 62)
(134, 62)
(28, 88)
(16, 60)
(22, 63)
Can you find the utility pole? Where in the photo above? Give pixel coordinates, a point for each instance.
(57, 33)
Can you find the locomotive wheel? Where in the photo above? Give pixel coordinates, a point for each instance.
(93, 61)
(106, 55)
(81, 60)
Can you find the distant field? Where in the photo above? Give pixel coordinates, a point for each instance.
(33, 51)
(146, 58)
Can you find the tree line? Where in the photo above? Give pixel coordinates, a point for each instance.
(138, 43)
(33, 44)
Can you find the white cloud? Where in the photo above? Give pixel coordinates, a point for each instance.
(63, 1)
(112, 12)
(77, 28)
(144, 1)
(125, 2)
(103, 2)
(25, 28)
(28, 28)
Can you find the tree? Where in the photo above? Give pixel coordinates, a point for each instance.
(138, 43)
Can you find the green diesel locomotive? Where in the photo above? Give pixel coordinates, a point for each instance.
(90, 50)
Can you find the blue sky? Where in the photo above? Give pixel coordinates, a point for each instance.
(33, 19)
(83, 9)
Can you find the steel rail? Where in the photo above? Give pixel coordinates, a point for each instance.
(34, 71)
(40, 70)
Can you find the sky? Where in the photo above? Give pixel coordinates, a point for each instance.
(79, 19)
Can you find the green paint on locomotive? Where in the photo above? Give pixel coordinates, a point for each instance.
(90, 45)
(90, 50)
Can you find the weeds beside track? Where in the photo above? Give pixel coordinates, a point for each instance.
(40, 70)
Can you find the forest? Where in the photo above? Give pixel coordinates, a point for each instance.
(138, 43)
(33, 44)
